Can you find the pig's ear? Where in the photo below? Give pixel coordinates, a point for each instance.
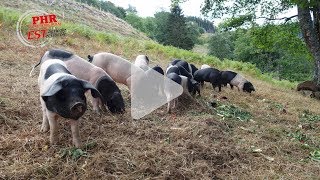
(54, 88)
(94, 92)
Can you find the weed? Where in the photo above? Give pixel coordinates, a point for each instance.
(74, 153)
(308, 116)
(298, 136)
(315, 155)
(233, 112)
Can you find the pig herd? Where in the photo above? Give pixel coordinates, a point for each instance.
(65, 78)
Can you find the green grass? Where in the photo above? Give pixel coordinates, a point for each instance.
(9, 18)
(233, 112)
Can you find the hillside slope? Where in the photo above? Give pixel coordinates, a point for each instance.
(270, 134)
(78, 13)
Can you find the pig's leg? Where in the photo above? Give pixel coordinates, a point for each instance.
(95, 104)
(45, 123)
(169, 107)
(128, 82)
(175, 103)
(54, 125)
(75, 133)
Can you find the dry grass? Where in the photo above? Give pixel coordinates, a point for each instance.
(191, 143)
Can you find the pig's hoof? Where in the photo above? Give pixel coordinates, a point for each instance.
(44, 129)
(97, 111)
(77, 144)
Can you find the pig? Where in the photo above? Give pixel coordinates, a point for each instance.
(189, 88)
(185, 65)
(190, 68)
(209, 75)
(174, 62)
(204, 66)
(84, 70)
(158, 69)
(178, 70)
(182, 71)
(308, 85)
(142, 61)
(158, 86)
(118, 68)
(193, 68)
(235, 79)
(62, 95)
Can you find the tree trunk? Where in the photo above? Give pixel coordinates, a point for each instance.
(311, 36)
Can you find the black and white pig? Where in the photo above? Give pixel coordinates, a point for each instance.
(178, 70)
(235, 79)
(209, 75)
(84, 70)
(62, 95)
(183, 72)
(189, 88)
(142, 61)
(118, 68)
(203, 66)
(187, 66)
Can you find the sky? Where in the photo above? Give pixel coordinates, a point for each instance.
(147, 8)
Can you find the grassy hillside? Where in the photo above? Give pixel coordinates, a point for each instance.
(272, 133)
(77, 13)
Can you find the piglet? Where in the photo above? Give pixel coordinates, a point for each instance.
(62, 95)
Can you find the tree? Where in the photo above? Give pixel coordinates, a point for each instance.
(131, 9)
(176, 30)
(221, 45)
(269, 9)
(161, 19)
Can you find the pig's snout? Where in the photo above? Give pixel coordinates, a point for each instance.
(77, 110)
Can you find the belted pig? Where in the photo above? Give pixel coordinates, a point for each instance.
(121, 70)
(209, 75)
(62, 95)
(235, 79)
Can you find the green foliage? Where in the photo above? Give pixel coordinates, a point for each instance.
(206, 25)
(131, 9)
(221, 45)
(135, 21)
(235, 22)
(315, 155)
(270, 8)
(176, 31)
(231, 111)
(74, 153)
(275, 49)
(308, 116)
(298, 135)
(8, 17)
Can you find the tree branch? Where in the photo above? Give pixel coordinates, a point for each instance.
(278, 19)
